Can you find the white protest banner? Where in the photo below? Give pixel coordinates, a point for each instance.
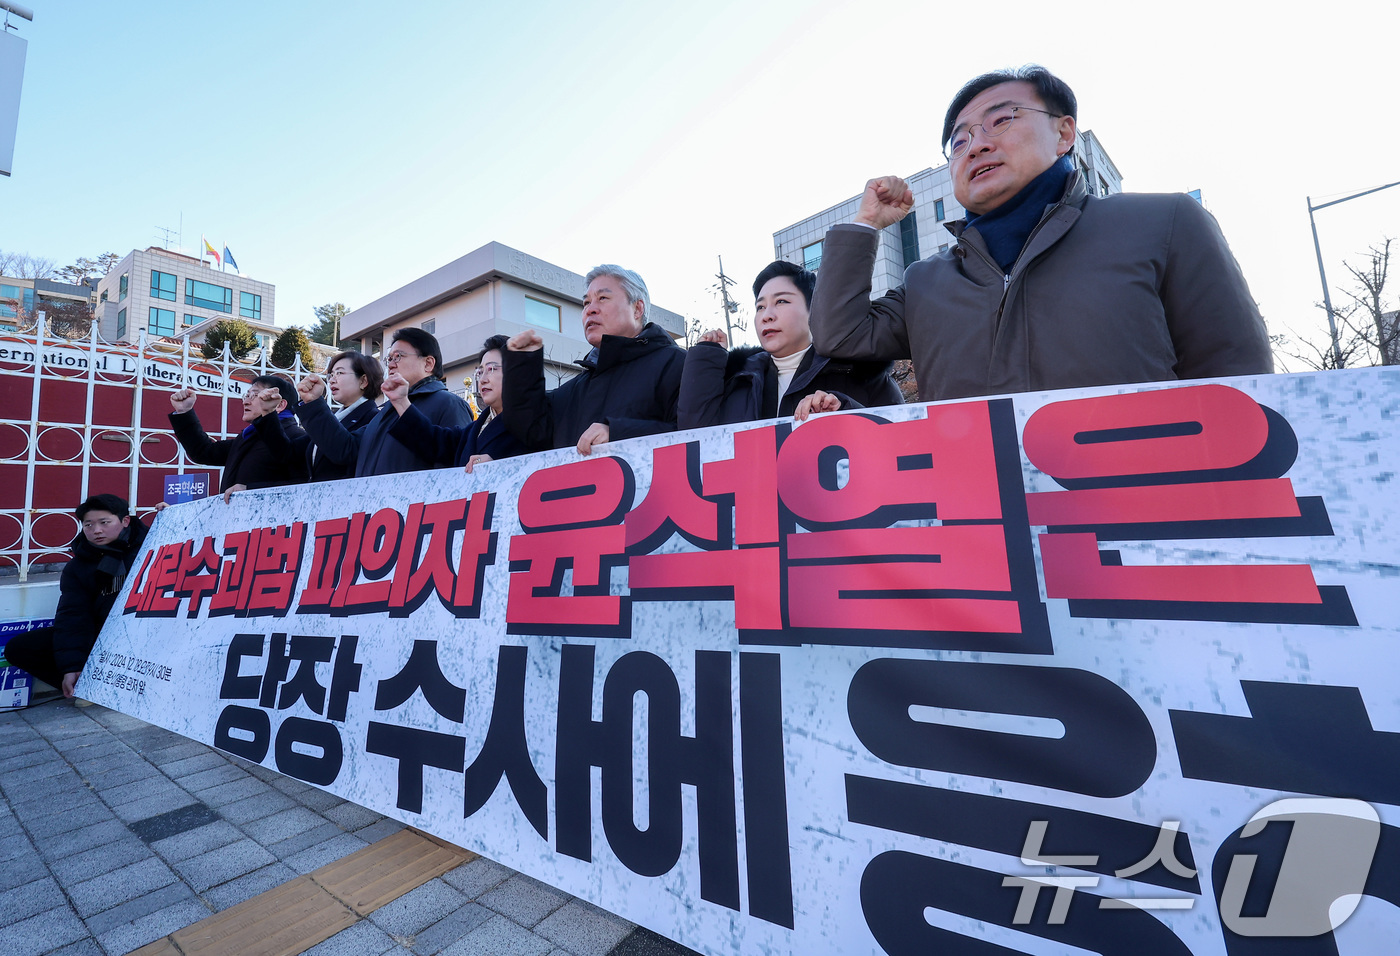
(1109, 670)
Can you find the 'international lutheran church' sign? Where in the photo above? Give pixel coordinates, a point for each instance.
(1107, 670)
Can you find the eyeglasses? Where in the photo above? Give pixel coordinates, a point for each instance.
(994, 125)
(490, 368)
(393, 358)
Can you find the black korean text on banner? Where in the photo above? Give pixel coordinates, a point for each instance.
(276, 673)
(851, 576)
(1196, 462)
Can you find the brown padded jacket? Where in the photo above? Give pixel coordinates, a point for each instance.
(1106, 291)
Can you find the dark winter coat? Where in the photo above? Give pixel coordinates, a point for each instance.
(722, 388)
(629, 384)
(86, 592)
(454, 446)
(372, 448)
(247, 459)
(323, 467)
(1135, 287)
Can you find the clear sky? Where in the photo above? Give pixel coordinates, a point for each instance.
(343, 149)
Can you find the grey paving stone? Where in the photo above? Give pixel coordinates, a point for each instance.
(14, 845)
(46, 809)
(478, 876)
(98, 751)
(45, 932)
(351, 816)
(525, 900)
(33, 755)
(135, 770)
(378, 831)
(163, 802)
(92, 863)
(246, 887)
(643, 942)
(22, 870)
(418, 909)
(191, 843)
(29, 899)
(167, 756)
(232, 792)
(65, 819)
(114, 888)
(121, 756)
(242, 812)
(583, 929)
(319, 800)
(148, 929)
(322, 853)
(48, 764)
(323, 831)
(83, 947)
(498, 936)
(44, 788)
(362, 939)
(153, 787)
(224, 864)
(135, 909)
(290, 785)
(213, 777)
(281, 825)
(449, 929)
(192, 765)
(62, 845)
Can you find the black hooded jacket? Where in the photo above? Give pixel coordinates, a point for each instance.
(629, 384)
(247, 459)
(723, 388)
(86, 592)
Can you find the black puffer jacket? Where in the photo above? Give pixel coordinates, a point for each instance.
(322, 467)
(86, 592)
(629, 384)
(722, 388)
(246, 459)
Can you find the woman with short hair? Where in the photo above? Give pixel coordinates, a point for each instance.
(783, 375)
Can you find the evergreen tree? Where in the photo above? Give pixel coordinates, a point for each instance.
(238, 334)
(291, 344)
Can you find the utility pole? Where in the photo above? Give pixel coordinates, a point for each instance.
(728, 306)
(1317, 247)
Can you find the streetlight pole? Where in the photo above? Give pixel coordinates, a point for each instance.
(1317, 247)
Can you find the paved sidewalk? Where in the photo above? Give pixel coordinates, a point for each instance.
(115, 833)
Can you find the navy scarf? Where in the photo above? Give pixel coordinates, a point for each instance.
(284, 414)
(1007, 227)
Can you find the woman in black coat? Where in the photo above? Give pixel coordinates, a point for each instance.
(353, 379)
(485, 439)
(783, 376)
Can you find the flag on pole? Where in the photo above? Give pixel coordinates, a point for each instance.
(228, 257)
(210, 251)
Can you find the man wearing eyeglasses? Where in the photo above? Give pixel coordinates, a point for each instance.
(414, 363)
(1047, 286)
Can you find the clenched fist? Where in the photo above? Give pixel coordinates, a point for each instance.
(716, 336)
(311, 388)
(527, 341)
(886, 201)
(182, 400)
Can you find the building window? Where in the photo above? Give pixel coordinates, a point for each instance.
(162, 322)
(542, 315)
(938, 213)
(192, 319)
(121, 322)
(250, 305)
(11, 294)
(121, 288)
(206, 296)
(103, 297)
(162, 285)
(909, 238)
(7, 311)
(812, 256)
(430, 326)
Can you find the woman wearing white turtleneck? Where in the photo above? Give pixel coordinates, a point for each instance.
(784, 375)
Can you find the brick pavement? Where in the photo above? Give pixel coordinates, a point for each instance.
(115, 833)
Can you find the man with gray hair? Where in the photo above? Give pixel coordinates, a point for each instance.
(630, 381)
